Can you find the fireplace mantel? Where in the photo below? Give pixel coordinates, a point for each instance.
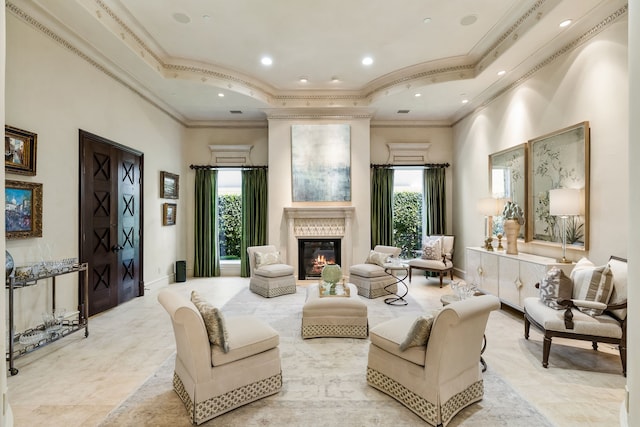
(319, 221)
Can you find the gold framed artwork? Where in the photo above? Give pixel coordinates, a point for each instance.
(20, 151)
(508, 178)
(169, 185)
(169, 213)
(22, 209)
(559, 160)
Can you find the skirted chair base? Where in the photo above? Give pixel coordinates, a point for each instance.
(374, 287)
(426, 410)
(218, 405)
(269, 287)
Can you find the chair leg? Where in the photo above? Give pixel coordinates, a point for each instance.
(594, 344)
(527, 326)
(451, 274)
(623, 358)
(546, 348)
(440, 275)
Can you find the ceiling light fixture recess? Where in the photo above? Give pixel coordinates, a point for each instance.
(417, 95)
(464, 101)
(565, 23)
(303, 80)
(221, 95)
(335, 79)
(367, 60)
(426, 20)
(469, 20)
(266, 60)
(502, 73)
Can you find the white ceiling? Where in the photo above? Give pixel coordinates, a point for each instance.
(183, 67)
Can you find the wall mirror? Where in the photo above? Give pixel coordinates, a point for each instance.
(560, 160)
(508, 180)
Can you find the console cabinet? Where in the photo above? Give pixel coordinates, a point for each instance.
(511, 278)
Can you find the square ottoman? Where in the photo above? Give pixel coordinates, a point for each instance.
(334, 316)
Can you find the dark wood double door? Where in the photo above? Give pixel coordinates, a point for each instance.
(110, 221)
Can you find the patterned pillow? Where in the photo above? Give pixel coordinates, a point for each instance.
(267, 258)
(593, 284)
(432, 249)
(555, 285)
(213, 321)
(379, 258)
(419, 333)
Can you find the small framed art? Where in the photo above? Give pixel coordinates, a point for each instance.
(169, 213)
(22, 209)
(20, 151)
(169, 185)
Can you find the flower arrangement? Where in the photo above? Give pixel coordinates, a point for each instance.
(513, 211)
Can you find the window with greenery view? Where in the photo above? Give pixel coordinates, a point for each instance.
(407, 211)
(229, 209)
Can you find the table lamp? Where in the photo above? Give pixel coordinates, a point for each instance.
(489, 207)
(564, 202)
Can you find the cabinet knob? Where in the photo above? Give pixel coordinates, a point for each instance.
(480, 271)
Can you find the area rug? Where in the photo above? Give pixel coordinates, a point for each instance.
(324, 381)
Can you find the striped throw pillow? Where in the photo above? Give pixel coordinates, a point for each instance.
(593, 284)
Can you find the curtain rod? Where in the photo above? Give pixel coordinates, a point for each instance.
(425, 165)
(210, 167)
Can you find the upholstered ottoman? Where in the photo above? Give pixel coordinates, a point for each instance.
(334, 316)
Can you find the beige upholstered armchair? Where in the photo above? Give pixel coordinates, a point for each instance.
(211, 379)
(270, 277)
(436, 257)
(595, 308)
(431, 364)
(370, 277)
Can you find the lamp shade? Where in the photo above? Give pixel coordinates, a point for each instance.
(565, 201)
(490, 206)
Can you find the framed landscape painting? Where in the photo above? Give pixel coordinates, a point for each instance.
(23, 209)
(20, 151)
(169, 185)
(321, 163)
(169, 213)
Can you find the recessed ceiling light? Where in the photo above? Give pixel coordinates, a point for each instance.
(221, 95)
(417, 95)
(403, 111)
(469, 20)
(502, 73)
(426, 20)
(565, 23)
(206, 17)
(266, 60)
(335, 79)
(181, 18)
(367, 60)
(464, 101)
(303, 80)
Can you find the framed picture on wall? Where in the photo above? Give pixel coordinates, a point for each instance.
(169, 185)
(23, 209)
(169, 213)
(20, 151)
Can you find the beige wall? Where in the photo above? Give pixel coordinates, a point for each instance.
(587, 84)
(53, 92)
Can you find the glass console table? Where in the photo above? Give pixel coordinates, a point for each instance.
(39, 336)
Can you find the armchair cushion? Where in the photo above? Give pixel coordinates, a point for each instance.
(378, 258)
(592, 283)
(555, 285)
(213, 321)
(368, 270)
(390, 334)
(267, 258)
(419, 333)
(247, 336)
(274, 270)
(432, 248)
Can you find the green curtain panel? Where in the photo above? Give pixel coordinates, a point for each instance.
(207, 256)
(434, 201)
(382, 206)
(254, 214)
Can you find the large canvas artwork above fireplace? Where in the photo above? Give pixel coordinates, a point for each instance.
(314, 254)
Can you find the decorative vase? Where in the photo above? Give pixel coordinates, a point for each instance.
(331, 273)
(512, 229)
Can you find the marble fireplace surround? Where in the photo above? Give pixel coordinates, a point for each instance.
(319, 222)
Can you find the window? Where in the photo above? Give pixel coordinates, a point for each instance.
(230, 221)
(407, 210)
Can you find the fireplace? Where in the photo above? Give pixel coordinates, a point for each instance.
(314, 254)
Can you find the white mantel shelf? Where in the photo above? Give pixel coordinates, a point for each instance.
(319, 222)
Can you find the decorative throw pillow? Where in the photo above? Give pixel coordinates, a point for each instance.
(267, 258)
(419, 333)
(593, 284)
(555, 285)
(432, 249)
(379, 258)
(213, 321)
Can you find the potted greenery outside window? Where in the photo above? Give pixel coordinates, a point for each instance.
(513, 220)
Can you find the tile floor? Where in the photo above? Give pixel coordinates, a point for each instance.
(78, 381)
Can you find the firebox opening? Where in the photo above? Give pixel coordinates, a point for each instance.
(314, 254)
